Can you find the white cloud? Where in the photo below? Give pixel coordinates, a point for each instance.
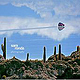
(60, 7)
(20, 23)
(51, 12)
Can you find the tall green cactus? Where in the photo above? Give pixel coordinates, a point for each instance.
(4, 48)
(44, 55)
(27, 56)
(59, 52)
(55, 56)
(77, 48)
(54, 50)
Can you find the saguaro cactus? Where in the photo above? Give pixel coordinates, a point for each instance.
(59, 52)
(44, 55)
(4, 48)
(55, 56)
(77, 48)
(27, 56)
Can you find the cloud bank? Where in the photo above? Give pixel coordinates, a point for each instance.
(51, 12)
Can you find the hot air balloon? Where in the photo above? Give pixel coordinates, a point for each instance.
(61, 26)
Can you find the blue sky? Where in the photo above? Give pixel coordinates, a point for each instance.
(39, 13)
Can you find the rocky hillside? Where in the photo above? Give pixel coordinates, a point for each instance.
(51, 58)
(16, 69)
(75, 55)
(58, 66)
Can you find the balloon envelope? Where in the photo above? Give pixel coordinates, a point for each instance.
(61, 26)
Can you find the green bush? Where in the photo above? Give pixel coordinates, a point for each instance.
(78, 61)
(47, 66)
(75, 69)
(28, 77)
(28, 63)
(2, 70)
(39, 64)
(76, 76)
(67, 75)
(12, 67)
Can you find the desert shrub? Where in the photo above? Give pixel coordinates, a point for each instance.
(12, 67)
(47, 66)
(14, 64)
(67, 75)
(75, 69)
(78, 61)
(67, 59)
(28, 63)
(2, 70)
(28, 77)
(34, 65)
(39, 64)
(76, 76)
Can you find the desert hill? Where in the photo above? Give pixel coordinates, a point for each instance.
(35, 69)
